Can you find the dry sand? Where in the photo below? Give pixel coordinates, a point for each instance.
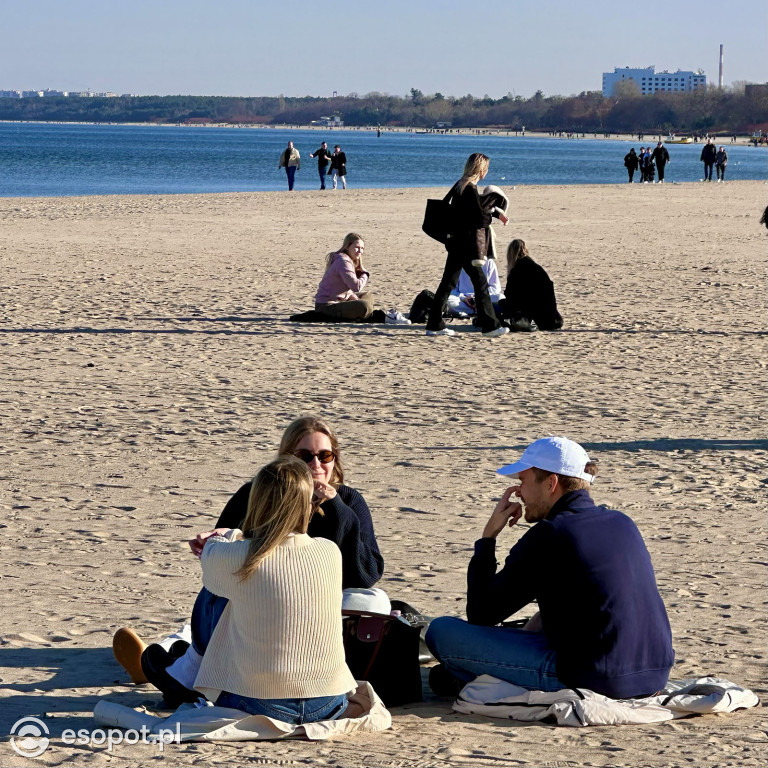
(149, 369)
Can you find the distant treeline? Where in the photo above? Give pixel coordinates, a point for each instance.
(710, 110)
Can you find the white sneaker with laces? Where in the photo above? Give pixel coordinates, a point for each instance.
(394, 317)
(500, 331)
(442, 332)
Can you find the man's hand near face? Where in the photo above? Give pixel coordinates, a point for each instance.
(507, 512)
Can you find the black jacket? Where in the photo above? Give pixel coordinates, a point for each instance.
(530, 293)
(346, 521)
(708, 154)
(631, 161)
(660, 155)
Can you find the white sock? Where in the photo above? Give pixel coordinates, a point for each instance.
(185, 634)
(185, 669)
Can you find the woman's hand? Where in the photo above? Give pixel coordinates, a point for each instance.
(323, 492)
(503, 218)
(197, 544)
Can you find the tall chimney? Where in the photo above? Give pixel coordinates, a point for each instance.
(720, 80)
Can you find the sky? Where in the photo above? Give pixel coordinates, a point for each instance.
(304, 48)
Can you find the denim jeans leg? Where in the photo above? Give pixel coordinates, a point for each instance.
(322, 177)
(515, 655)
(291, 711)
(291, 173)
(205, 616)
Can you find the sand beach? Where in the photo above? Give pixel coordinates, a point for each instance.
(149, 369)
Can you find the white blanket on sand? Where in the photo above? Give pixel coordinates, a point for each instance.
(365, 712)
(492, 697)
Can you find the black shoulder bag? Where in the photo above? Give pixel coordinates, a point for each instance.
(437, 218)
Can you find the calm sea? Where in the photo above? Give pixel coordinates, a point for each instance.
(53, 160)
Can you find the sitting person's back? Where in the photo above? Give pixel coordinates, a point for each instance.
(277, 648)
(529, 292)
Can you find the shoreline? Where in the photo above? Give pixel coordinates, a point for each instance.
(741, 140)
(433, 190)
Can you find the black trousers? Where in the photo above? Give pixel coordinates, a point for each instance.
(461, 258)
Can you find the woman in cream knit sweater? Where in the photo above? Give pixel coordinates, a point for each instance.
(277, 649)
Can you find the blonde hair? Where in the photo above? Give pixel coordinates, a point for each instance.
(306, 425)
(474, 169)
(348, 240)
(280, 503)
(517, 249)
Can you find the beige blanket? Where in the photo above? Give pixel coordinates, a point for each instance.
(365, 712)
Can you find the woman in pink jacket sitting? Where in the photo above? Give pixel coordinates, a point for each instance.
(342, 294)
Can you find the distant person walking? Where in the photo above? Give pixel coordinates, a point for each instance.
(708, 157)
(721, 160)
(641, 165)
(631, 163)
(661, 156)
(648, 168)
(290, 159)
(323, 158)
(338, 167)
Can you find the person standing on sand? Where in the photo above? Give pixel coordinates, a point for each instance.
(290, 159)
(338, 168)
(323, 158)
(630, 163)
(601, 624)
(661, 156)
(467, 249)
(721, 160)
(641, 165)
(648, 167)
(708, 157)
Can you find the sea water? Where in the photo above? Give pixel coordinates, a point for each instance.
(53, 159)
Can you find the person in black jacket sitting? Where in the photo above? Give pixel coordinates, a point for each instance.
(530, 294)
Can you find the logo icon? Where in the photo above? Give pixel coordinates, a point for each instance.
(29, 737)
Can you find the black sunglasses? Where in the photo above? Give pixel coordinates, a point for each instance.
(324, 457)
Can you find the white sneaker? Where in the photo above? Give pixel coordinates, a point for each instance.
(500, 331)
(442, 332)
(394, 317)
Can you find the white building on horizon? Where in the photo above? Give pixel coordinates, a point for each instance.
(649, 81)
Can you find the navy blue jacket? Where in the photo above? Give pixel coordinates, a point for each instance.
(346, 521)
(589, 570)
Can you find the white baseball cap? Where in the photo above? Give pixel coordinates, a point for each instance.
(552, 454)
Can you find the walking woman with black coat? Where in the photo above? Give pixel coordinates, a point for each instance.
(467, 248)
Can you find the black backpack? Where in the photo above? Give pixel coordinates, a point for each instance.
(420, 307)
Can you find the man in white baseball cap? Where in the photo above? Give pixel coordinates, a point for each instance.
(602, 624)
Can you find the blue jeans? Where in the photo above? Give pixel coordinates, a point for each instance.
(293, 711)
(205, 616)
(322, 171)
(515, 655)
(290, 171)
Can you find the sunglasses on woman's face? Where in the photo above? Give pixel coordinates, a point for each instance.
(324, 457)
